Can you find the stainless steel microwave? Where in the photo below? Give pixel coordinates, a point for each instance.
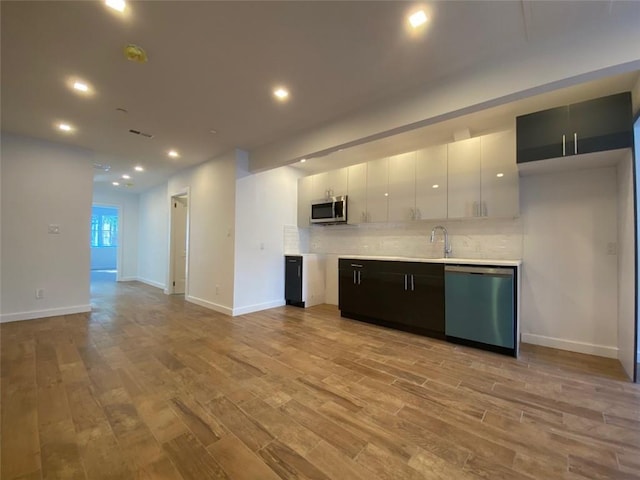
(329, 211)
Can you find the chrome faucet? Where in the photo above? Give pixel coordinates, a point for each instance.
(447, 245)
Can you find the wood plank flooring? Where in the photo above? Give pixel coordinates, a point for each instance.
(150, 387)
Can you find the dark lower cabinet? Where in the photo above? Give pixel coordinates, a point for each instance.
(404, 295)
(596, 125)
(293, 280)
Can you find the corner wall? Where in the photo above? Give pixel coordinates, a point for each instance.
(569, 282)
(153, 234)
(265, 203)
(44, 183)
(626, 266)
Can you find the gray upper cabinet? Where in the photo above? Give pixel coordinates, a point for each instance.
(477, 177)
(463, 198)
(357, 191)
(377, 190)
(499, 192)
(330, 184)
(431, 183)
(592, 126)
(402, 187)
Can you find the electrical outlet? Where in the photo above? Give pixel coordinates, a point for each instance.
(39, 293)
(54, 229)
(612, 248)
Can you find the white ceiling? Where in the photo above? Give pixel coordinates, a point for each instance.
(212, 65)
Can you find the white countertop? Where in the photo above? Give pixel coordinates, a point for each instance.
(465, 261)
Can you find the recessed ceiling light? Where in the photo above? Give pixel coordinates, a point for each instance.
(302, 160)
(418, 18)
(118, 5)
(173, 154)
(281, 93)
(115, 184)
(138, 168)
(126, 177)
(65, 127)
(80, 86)
(500, 175)
(435, 186)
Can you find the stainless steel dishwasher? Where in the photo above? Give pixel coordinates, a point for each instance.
(480, 307)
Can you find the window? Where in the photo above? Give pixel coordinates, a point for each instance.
(104, 229)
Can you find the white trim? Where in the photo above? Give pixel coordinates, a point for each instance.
(50, 312)
(169, 289)
(153, 283)
(209, 305)
(571, 345)
(127, 279)
(258, 307)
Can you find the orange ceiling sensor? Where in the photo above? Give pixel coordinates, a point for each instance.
(135, 53)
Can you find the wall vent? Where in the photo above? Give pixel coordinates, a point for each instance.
(142, 134)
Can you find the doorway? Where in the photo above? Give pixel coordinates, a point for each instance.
(179, 245)
(104, 240)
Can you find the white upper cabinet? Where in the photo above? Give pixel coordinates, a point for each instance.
(477, 177)
(377, 190)
(330, 184)
(357, 191)
(304, 200)
(402, 187)
(499, 181)
(464, 179)
(431, 183)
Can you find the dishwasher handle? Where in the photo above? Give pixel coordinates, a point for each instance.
(473, 270)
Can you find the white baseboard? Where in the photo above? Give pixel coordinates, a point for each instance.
(209, 305)
(128, 279)
(258, 307)
(570, 345)
(50, 312)
(153, 283)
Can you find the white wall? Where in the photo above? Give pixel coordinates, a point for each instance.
(626, 266)
(265, 203)
(569, 290)
(153, 215)
(44, 183)
(211, 230)
(128, 246)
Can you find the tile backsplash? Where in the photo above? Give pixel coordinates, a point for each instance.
(498, 239)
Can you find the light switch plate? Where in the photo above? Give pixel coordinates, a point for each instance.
(54, 229)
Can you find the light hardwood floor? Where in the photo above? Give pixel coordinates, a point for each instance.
(148, 386)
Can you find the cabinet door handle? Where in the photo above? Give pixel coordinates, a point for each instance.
(354, 277)
(299, 271)
(564, 146)
(359, 277)
(405, 282)
(413, 285)
(575, 143)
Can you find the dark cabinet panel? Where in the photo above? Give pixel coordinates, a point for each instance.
(592, 126)
(540, 135)
(293, 280)
(602, 124)
(406, 295)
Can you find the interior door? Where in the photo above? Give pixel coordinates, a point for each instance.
(179, 244)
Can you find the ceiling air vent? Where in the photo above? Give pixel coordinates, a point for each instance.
(102, 166)
(142, 134)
